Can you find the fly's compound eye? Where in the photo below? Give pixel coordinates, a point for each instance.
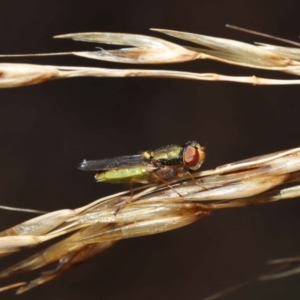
(193, 155)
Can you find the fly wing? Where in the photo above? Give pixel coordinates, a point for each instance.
(111, 163)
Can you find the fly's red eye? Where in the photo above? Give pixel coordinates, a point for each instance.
(191, 157)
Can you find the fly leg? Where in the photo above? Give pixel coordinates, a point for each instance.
(182, 174)
(193, 179)
(129, 199)
(157, 178)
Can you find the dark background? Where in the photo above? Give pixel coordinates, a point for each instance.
(47, 129)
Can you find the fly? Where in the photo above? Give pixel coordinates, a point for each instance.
(150, 166)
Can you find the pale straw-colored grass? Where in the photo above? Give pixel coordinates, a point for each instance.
(155, 208)
(143, 49)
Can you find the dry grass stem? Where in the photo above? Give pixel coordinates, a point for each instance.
(154, 209)
(141, 49)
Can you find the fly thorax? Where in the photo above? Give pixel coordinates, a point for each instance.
(169, 155)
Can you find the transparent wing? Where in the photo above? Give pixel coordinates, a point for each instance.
(111, 163)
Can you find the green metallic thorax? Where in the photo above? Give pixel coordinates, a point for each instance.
(167, 156)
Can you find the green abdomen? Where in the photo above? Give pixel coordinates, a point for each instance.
(125, 175)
